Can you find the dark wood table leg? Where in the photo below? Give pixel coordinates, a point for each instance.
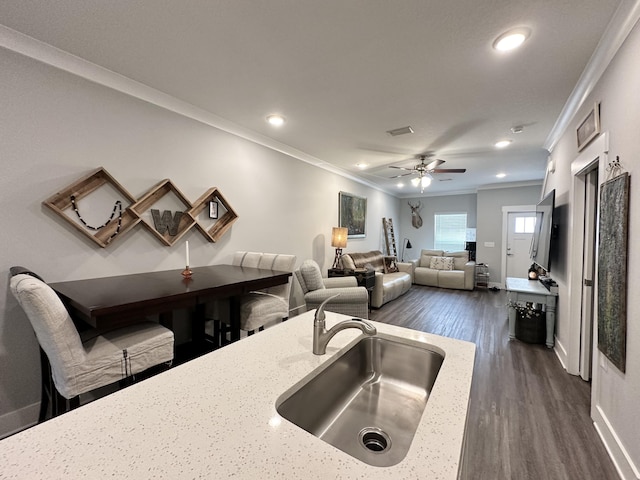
(234, 314)
(197, 326)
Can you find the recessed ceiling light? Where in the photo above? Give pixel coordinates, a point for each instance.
(511, 39)
(503, 143)
(361, 166)
(400, 185)
(275, 120)
(501, 175)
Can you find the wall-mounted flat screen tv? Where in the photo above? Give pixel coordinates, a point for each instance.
(544, 231)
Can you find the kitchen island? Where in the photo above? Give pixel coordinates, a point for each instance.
(215, 417)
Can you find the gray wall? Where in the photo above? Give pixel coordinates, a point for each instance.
(614, 394)
(55, 128)
(484, 212)
(490, 203)
(423, 237)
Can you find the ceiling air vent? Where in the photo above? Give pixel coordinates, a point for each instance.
(400, 131)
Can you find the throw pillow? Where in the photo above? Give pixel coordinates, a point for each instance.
(441, 263)
(426, 255)
(390, 265)
(312, 276)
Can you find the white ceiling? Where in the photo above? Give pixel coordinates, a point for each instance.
(343, 72)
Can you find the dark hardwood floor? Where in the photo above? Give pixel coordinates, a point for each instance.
(528, 418)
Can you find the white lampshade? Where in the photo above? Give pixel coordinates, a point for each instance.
(339, 237)
(415, 181)
(425, 181)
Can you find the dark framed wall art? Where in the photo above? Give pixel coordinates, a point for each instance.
(612, 270)
(352, 214)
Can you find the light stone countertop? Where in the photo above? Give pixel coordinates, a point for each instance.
(215, 417)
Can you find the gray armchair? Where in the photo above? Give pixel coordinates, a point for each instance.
(352, 299)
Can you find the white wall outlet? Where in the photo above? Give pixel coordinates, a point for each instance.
(490, 244)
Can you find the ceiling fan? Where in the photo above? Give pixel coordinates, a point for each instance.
(425, 170)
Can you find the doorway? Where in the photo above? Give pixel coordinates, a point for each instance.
(520, 227)
(588, 266)
(518, 223)
(576, 345)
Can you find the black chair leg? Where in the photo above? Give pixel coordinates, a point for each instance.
(74, 402)
(46, 384)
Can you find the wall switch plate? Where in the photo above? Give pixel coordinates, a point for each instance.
(490, 244)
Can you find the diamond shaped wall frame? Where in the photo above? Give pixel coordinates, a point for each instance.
(104, 235)
(222, 224)
(152, 197)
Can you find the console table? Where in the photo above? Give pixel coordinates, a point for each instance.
(525, 290)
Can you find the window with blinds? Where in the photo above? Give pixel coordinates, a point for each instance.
(450, 231)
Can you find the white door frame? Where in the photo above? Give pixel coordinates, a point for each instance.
(596, 153)
(505, 228)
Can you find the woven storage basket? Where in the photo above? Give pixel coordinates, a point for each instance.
(531, 325)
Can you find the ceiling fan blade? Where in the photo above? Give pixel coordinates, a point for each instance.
(402, 175)
(434, 164)
(449, 170)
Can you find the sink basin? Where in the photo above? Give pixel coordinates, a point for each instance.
(369, 400)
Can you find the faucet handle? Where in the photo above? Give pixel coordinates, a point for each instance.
(320, 315)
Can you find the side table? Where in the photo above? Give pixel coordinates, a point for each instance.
(365, 278)
(525, 290)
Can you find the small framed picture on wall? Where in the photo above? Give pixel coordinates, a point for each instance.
(213, 209)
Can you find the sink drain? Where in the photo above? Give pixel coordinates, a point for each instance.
(374, 440)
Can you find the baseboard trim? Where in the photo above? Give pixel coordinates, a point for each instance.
(18, 420)
(619, 455)
(561, 353)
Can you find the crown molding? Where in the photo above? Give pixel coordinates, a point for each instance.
(619, 27)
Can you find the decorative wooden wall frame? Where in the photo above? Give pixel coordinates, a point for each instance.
(134, 211)
(105, 235)
(612, 269)
(165, 187)
(222, 224)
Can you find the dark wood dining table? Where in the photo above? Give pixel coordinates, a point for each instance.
(111, 302)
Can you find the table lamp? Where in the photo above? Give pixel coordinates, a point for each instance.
(406, 244)
(338, 241)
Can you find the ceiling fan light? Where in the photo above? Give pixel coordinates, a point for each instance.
(425, 181)
(415, 181)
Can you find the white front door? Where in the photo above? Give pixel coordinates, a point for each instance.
(520, 227)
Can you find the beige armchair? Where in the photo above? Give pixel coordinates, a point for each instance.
(352, 299)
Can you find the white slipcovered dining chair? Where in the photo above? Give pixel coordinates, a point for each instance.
(75, 363)
(261, 307)
(352, 299)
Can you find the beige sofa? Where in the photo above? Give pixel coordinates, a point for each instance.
(437, 268)
(389, 284)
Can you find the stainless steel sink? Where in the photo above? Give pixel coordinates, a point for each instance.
(369, 400)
